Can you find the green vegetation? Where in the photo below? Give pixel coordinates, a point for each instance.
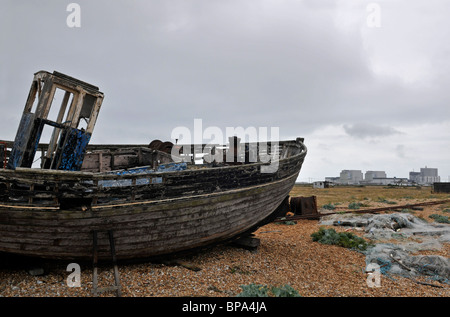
(385, 201)
(253, 290)
(357, 205)
(257, 290)
(440, 218)
(284, 291)
(354, 205)
(329, 207)
(343, 239)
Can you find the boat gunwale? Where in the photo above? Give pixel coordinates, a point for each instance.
(79, 175)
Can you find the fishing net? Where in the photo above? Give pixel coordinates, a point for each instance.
(394, 260)
(396, 237)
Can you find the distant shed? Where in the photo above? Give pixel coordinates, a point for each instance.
(325, 184)
(441, 187)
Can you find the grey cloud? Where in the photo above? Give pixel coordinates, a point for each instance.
(229, 63)
(368, 130)
(400, 150)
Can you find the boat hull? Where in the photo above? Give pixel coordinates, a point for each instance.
(144, 229)
(151, 227)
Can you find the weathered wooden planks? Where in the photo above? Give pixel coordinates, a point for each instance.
(189, 209)
(152, 232)
(54, 185)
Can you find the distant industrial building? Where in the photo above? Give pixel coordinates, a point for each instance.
(387, 181)
(355, 177)
(414, 177)
(350, 177)
(371, 175)
(332, 179)
(426, 176)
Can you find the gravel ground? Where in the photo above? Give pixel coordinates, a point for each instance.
(286, 255)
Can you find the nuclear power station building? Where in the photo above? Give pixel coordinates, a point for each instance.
(426, 176)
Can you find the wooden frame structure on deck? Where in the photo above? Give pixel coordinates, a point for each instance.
(68, 138)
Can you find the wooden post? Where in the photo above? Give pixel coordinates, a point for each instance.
(56, 131)
(30, 199)
(94, 262)
(133, 187)
(116, 270)
(95, 198)
(100, 163)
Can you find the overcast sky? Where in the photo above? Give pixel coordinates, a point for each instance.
(366, 83)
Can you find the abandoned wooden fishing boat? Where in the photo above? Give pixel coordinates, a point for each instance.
(156, 199)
